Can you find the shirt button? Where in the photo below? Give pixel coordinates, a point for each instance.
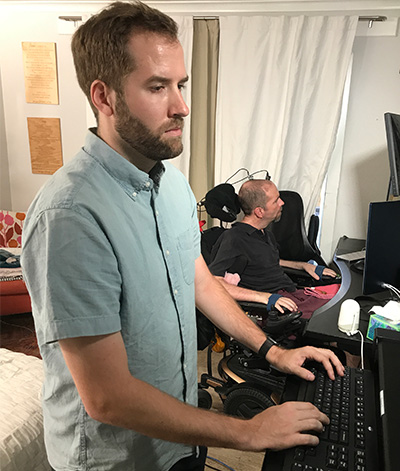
(175, 291)
(156, 213)
(147, 184)
(134, 193)
(167, 252)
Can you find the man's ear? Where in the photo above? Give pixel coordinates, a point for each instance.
(258, 212)
(103, 97)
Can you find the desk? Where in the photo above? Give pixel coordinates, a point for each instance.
(322, 326)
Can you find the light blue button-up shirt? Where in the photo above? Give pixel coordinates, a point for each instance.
(108, 248)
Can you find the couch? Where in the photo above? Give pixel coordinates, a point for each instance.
(14, 297)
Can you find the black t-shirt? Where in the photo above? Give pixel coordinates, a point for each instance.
(253, 255)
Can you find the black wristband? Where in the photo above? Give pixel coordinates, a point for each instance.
(264, 349)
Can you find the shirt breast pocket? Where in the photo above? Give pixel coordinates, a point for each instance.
(186, 252)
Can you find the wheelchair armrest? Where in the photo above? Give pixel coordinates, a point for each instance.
(256, 308)
(299, 277)
(303, 279)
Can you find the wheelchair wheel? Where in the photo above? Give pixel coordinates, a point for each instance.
(204, 399)
(246, 402)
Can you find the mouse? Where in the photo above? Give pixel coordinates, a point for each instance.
(349, 317)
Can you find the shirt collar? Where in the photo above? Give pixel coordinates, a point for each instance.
(247, 228)
(120, 168)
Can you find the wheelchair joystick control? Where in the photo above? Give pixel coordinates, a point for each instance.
(276, 320)
(273, 315)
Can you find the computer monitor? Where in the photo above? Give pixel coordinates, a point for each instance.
(382, 252)
(392, 124)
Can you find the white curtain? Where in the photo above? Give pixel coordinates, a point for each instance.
(185, 24)
(280, 87)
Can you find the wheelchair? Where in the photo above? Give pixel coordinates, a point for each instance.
(246, 383)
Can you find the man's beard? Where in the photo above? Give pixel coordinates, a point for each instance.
(278, 217)
(138, 136)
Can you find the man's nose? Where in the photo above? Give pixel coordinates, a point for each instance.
(178, 106)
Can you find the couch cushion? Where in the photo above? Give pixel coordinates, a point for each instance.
(11, 224)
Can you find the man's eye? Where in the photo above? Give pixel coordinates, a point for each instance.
(182, 86)
(157, 88)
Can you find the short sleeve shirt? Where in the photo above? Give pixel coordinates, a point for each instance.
(253, 255)
(108, 248)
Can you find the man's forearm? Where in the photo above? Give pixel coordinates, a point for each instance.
(292, 264)
(113, 396)
(145, 409)
(244, 294)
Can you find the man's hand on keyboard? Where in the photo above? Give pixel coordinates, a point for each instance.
(292, 361)
(286, 425)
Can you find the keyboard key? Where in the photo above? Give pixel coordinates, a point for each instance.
(311, 451)
(299, 454)
(334, 436)
(331, 463)
(332, 455)
(344, 437)
(360, 444)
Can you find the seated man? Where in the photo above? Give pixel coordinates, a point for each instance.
(250, 250)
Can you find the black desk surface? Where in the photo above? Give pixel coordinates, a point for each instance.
(322, 326)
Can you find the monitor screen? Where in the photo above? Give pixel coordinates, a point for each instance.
(392, 124)
(382, 252)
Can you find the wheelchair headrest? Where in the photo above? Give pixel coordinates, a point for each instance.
(222, 202)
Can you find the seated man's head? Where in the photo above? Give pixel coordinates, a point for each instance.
(260, 202)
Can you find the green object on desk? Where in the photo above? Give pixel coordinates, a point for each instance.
(376, 321)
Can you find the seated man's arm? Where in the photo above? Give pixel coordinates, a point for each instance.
(307, 267)
(216, 304)
(112, 395)
(243, 294)
(229, 256)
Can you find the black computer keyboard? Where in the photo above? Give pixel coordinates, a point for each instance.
(349, 442)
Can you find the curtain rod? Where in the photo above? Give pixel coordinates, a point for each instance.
(370, 19)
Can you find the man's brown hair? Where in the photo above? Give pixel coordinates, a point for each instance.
(252, 195)
(99, 46)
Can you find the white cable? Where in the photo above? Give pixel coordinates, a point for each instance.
(391, 288)
(249, 175)
(362, 349)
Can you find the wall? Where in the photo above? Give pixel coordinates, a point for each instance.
(17, 26)
(359, 171)
(374, 90)
(5, 191)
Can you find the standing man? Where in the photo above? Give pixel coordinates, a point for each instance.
(250, 250)
(112, 262)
